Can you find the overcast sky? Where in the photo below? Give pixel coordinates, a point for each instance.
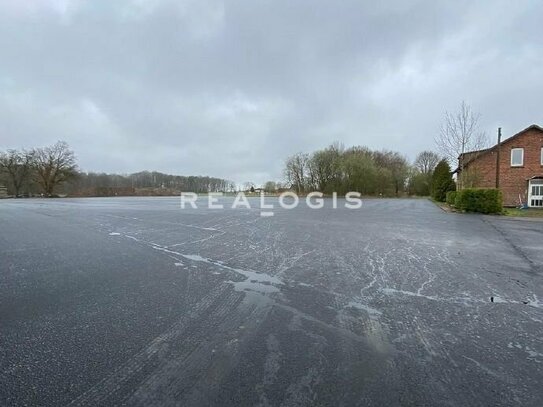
(230, 89)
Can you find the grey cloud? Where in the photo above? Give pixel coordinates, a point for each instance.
(230, 89)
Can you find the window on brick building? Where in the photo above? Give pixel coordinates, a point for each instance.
(541, 155)
(517, 157)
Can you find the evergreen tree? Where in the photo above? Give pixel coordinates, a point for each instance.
(442, 181)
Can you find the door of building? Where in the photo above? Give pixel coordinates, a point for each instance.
(535, 193)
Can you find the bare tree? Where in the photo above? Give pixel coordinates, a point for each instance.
(324, 168)
(460, 134)
(54, 165)
(270, 186)
(420, 177)
(396, 164)
(296, 171)
(426, 161)
(17, 166)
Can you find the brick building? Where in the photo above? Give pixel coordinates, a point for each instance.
(520, 168)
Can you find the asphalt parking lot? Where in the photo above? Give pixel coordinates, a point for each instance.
(135, 301)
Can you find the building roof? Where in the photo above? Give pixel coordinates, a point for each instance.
(470, 156)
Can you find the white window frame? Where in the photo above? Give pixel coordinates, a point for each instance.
(521, 157)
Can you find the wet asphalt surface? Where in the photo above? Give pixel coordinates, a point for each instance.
(133, 301)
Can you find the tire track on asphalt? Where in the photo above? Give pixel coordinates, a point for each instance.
(167, 384)
(196, 378)
(149, 358)
(533, 266)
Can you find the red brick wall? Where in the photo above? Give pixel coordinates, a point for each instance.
(513, 180)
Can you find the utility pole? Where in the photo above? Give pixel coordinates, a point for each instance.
(498, 157)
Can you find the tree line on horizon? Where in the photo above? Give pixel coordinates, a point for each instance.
(52, 170)
(146, 183)
(360, 169)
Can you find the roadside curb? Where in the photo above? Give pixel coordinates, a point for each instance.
(443, 206)
(520, 218)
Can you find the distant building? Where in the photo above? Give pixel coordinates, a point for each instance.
(3, 191)
(518, 173)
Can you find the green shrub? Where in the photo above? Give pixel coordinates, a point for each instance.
(479, 200)
(451, 198)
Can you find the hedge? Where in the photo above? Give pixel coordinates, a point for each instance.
(451, 197)
(479, 200)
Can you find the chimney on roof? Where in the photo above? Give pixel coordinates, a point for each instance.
(498, 157)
